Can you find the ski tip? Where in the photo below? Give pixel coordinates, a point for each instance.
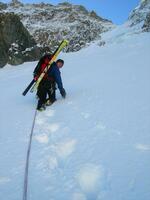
(24, 93)
(66, 42)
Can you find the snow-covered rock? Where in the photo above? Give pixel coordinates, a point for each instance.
(140, 15)
(138, 22)
(48, 24)
(146, 26)
(3, 6)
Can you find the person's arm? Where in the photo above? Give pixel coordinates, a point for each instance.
(58, 80)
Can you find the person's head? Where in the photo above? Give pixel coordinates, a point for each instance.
(59, 63)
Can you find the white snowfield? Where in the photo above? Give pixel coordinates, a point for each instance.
(95, 144)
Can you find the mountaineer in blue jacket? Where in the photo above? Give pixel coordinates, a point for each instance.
(47, 86)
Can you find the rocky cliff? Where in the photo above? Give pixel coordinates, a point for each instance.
(16, 44)
(48, 24)
(141, 15)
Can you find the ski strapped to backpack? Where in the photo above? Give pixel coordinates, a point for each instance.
(35, 83)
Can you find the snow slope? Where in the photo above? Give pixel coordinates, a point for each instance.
(95, 144)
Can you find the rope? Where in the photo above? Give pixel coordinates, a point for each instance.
(25, 188)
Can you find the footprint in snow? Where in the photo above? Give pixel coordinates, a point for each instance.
(58, 154)
(92, 180)
(142, 147)
(85, 115)
(70, 102)
(4, 180)
(51, 128)
(42, 138)
(100, 126)
(50, 113)
(40, 120)
(79, 196)
(65, 148)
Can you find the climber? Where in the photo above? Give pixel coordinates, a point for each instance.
(47, 86)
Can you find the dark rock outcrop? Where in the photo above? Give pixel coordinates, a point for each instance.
(16, 44)
(146, 26)
(49, 24)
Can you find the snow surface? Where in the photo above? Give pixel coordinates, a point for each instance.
(95, 144)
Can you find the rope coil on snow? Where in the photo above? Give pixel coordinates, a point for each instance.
(25, 187)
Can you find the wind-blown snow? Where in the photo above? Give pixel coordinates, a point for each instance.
(95, 144)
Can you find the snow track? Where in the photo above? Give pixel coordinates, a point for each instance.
(95, 144)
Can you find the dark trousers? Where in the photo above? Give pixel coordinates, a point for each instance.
(45, 88)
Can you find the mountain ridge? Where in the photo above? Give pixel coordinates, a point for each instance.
(140, 14)
(48, 23)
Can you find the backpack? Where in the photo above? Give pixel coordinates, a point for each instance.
(41, 65)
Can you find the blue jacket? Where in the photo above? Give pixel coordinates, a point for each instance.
(54, 73)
